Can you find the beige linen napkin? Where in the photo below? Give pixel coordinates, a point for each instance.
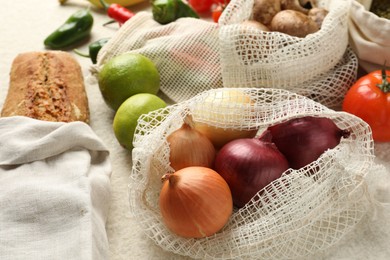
(54, 190)
(369, 36)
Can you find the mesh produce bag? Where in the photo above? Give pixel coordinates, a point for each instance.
(303, 211)
(194, 55)
(185, 52)
(319, 65)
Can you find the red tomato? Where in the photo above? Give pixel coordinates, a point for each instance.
(369, 99)
(218, 8)
(201, 6)
(222, 2)
(216, 13)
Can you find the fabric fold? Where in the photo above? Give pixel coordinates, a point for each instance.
(369, 36)
(24, 139)
(55, 190)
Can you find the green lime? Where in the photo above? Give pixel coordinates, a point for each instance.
(125, 120)
(126, 75)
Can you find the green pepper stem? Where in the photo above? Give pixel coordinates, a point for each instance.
(109, 22)
(104, 4)
(80, 53)
(385, 85)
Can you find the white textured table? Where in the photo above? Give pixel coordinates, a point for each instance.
(23, 27)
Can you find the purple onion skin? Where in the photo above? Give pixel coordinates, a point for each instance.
(248, 165)
(303, 140)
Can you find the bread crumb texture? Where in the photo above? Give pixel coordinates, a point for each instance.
(47, 86)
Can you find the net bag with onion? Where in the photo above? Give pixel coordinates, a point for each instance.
(251, 56)
(302, 211)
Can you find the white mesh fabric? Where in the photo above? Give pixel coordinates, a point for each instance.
(304, 211)
(185, 52)
(194, 55)
(318, 64)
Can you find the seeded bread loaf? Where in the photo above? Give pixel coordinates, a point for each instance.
(48, 86)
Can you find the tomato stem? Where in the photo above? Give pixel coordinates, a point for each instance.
(385, 85)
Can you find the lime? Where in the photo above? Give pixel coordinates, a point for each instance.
(125, 120)
(125, 75)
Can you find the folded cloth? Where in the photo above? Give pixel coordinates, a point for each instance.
(54, 190)
(369, 36)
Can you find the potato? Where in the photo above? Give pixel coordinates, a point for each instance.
(318, 14)
(308, 3)
(252, 43)
(264, 10)
(293, 5)
(255, 24)
(293, 23)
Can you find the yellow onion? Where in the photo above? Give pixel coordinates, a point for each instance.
(195, 202)
(220, 115)
(188, 147)
(221, 136)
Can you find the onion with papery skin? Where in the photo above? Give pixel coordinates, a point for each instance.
(224, 108)
(248, 165)
(188, 147)
(195, 202)
(303, 140)
(221, 136)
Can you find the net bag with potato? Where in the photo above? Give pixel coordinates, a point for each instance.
(314, 63)
(303, 211)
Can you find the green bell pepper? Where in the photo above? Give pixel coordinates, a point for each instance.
(166, 11)
(76, 28)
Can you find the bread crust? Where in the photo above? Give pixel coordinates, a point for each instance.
(48, 86)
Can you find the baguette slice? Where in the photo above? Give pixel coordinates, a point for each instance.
(48, 86)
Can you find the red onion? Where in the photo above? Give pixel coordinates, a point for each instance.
(248, 165)
(303, 140)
